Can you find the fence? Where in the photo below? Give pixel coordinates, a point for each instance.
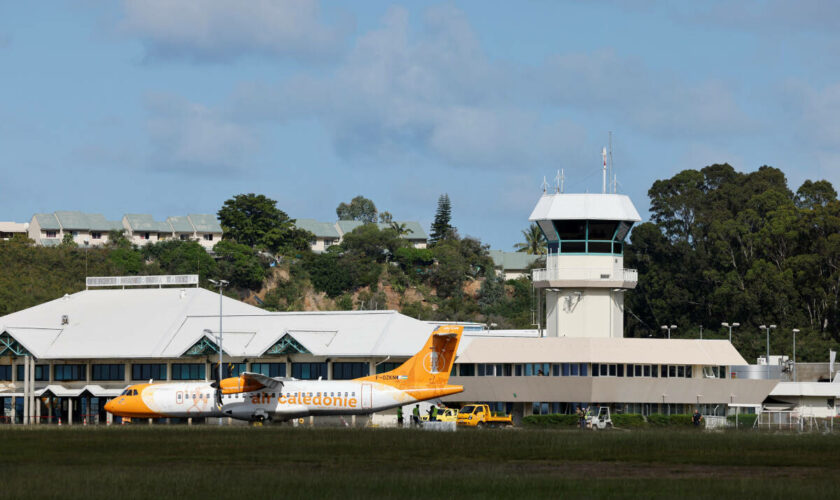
(793, 421)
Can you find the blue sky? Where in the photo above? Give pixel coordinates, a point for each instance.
(169, 108)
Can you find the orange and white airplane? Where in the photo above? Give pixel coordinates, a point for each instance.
(255, 397)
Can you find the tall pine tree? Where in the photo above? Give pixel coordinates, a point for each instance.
(441, 227)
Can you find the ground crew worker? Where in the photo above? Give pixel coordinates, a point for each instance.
(589, 415)
(696, 418)
(399, 416)
(581, 418)
(415, 415)
(433, 416)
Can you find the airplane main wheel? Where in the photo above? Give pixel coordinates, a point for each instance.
(479, 425)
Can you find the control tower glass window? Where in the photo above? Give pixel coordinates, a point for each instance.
(586, 236)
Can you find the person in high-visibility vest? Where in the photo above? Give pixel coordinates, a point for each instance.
(433, 416)
(415, 415)
(399, 416)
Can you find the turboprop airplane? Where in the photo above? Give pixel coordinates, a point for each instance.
(255, 397)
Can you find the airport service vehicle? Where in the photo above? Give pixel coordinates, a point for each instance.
(600, 421)
(444, 415)
(256, 397)
(479, 415)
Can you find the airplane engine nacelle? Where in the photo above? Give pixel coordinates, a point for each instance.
(243, 412)
(235, 385)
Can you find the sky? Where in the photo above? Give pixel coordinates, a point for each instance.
(170, 108)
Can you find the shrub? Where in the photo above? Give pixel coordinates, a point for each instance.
(552, 420)
(658, 420)
(629, 420)
(680, 420)
(744, 421)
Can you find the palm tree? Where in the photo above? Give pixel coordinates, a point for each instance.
(400, 228)
(534, 243)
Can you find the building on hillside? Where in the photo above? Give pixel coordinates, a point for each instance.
(332, 233)
(85, 229)
(514, 265)
(142, 229)
(48, 229)
(325, 233)
(10, 229)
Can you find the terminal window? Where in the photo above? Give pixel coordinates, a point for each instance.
(188, 371)
(349, 371)
(108, 372)
(69, 372)
(309, 371)
(148, 371)
(386, 367)
(5, 372)
(42, 372)
(269, 369)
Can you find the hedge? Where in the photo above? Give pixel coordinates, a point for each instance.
(623, 420)
(744, 421)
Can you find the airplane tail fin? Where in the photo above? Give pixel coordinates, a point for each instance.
(431, 366)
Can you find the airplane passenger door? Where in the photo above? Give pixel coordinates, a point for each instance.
(367, 396)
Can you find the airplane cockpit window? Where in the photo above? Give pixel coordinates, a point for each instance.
(134, 392)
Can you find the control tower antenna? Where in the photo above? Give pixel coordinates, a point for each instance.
(559, 180)
(612, 174)
(604, 157)
(544, 185)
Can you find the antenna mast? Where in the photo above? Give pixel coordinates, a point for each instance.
(604, 157)
(612, 174)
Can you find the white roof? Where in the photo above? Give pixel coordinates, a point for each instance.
(13, 227)
(799, 389)
(561, 206)
(600, 350)
(166, 322)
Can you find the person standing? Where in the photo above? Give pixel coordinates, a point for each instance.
(433, 414)
(399, 416)
(415, 416)
(696, 419)
(581, 418)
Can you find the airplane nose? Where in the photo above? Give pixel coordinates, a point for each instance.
(109, 406)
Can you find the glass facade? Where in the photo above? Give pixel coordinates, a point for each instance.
(42, 373)
(581, 370)
(107, 372)
(309, 371)
(386, 367)
(188, 371)
(148, 371)
(228, 370)
(269, 369)
(585, 236)
(69, 372)
(5, 372)
(349, 371)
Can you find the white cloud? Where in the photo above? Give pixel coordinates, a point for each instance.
(191, 137)
(223, 30)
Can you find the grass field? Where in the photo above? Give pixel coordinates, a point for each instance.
(280, 462)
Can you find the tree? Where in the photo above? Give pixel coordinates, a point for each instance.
(359, 208)
(399, 228)
(813, 194)
(534, 243)
(442, 227)
(254, 220)
(239, 264)
(386, 217)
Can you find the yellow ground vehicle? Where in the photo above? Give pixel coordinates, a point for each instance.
(443, 415)
(479, 415)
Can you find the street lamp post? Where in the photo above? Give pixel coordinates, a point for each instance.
(795, 331)
(669, 328)
(221, 284)
(727, 325)
(767, 360)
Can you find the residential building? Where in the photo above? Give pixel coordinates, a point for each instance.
(9, 229)
(332, 233)
(142, 229)
(325, 233)
(514, 265)
(85, 229)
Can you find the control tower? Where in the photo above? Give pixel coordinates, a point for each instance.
(584, 279)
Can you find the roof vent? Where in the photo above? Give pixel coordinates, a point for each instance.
(183, 293)
(66, 297)
(65, 319)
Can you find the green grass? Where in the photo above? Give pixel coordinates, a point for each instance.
(274, 462)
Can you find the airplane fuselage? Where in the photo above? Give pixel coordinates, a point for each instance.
(297, 398)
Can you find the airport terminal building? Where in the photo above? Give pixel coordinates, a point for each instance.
(65, 358)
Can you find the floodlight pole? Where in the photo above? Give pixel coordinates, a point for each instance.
(767, 360)
(795, 331)
(730, 329)
(221, 284)
(669, 328)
